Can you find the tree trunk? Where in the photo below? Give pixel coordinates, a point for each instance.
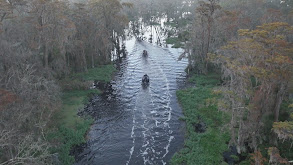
(46, 56)
(279, 99)
(5, 68)
(108, 56)
(93, 60)
(208, 45)
(239, 140)
(84, 61)
(68, 59)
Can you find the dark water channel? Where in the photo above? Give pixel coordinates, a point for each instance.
(135, 125)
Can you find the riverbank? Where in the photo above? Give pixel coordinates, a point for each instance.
(69, 129)
(206, 136)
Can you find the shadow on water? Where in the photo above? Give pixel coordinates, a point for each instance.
(137, 124)
(145, 86)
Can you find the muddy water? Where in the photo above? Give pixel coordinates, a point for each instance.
(136, 125)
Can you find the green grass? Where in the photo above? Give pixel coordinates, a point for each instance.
(65, 138)
(82, 81)
(175, 42)
(103, 73)
(178, 45)
(172, 40)
(182, 22)
(178, 42)
(68, 129)
(173, 24)
(210, 80)
(207, 147)
(178, 39)
(76, 97)
(155, 23)
(72, 101)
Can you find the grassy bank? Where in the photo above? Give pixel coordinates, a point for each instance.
(199, 105)
(68, 129)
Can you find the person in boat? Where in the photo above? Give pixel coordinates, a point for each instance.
(145, 79)
(145, 53)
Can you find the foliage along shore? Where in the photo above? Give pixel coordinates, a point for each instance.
(207, 128)
(250, 43)
(69, 128)
(49, 51)
(206, 135)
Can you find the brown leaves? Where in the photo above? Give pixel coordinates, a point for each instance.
(275, 157)
(6, 98)
(272, 15)
(275, 27)
(257, 68)
(257, 158)
(264, 50)
(127, 4)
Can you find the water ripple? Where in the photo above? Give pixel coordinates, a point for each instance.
(138, 126)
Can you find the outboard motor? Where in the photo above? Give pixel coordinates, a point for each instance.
(145, 79)
(145, 53)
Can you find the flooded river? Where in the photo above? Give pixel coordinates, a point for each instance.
(135, 125)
